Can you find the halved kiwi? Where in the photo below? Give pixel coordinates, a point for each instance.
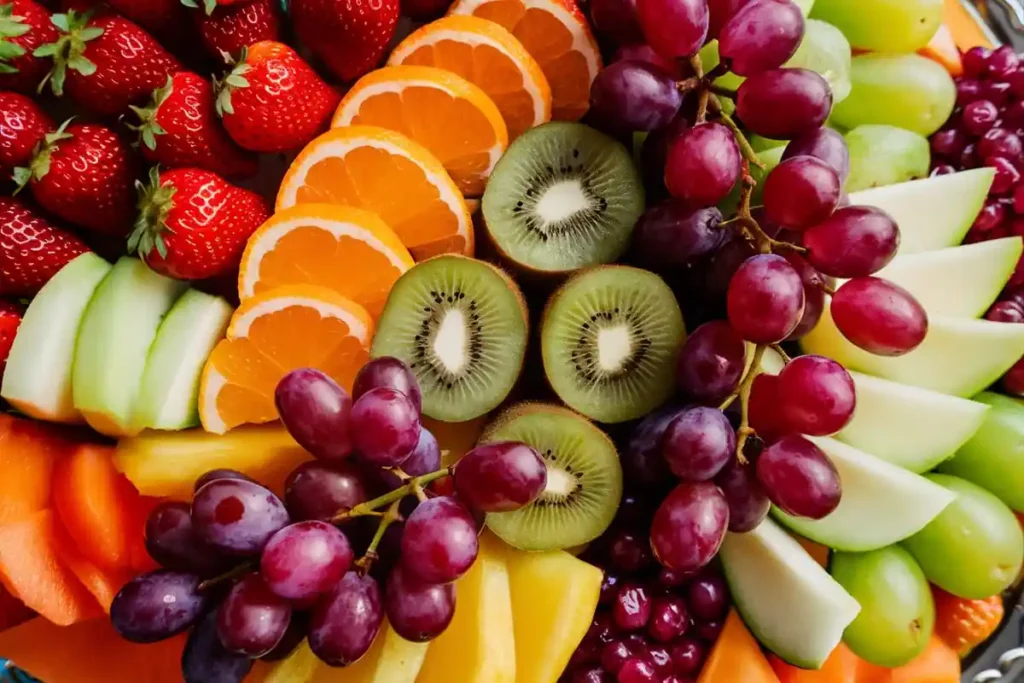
(584, 478)
(461, 325)
(610, 337)
(562, 197)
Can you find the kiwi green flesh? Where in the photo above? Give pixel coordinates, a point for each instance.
(461, 326)
(562, 197)
(610, 337)
(584, 480)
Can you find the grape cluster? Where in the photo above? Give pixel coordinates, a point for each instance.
(253, 575)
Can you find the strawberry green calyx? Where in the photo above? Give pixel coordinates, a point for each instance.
(208, 5)
(234, 80)
(39, 166)
(155, 203)
(148, 128)
(11, 26)
(68, 52)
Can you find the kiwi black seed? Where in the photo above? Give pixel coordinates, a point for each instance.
(610, 337)
(461, 325)
(584, 484)
(564, 196)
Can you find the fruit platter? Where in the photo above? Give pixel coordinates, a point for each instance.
(510, 341)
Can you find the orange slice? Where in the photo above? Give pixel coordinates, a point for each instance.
(557, 35)
(488, 55)
(387, 173)
(270, 334)
(348, 250)
(445, 113)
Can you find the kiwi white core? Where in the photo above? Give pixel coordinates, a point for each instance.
(560, 484)
(451, 340)
(614, 347)
(561, 201)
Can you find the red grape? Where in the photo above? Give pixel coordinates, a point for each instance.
(654, 154)
(669, 619)
(618, 20)
(500, 477)
(800, 192)
(748, 502)
(689, 526)
(1007, 175)
(642, 463)
(631, 608)
(173, 543)
(879, 316)
(825, 144)
(320, 490)
(440, 541)
(856, 241)
(708, 597)
(998, 142)
(799, 478)
(1013, 380)
(425, 458)
(817, 395)
(634, 96)
(614, 654)
(237, 516)
(761, 36)
(252, 620)
(223, 473)
(389, 373)
(764, 408)
(698, 443)
(711, 362)
(418, 612)
(636, 670)
(672, 235)
(814, 294)
(316, 412)
(590, 674)
(1006, 312)
(674, 28)
(628, 551)
(206, 660)
(703, 164)
(765, 299)
(305, 559)
(784, 103)
(979, 116)
(157, 605)
(639, 52)
(721, 11)
(346, 621)
(385, 427)
(688, 655)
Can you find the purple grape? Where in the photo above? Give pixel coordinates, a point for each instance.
(674, 28)
(671, 235)
(440, 541)
(698, 443)
(703, 164)
(639, 52)
(206, 660)
(669, 619)
(878, 316)
(632, 607)
(346, 621)
(500, 477)
(389, 373)
(724, 265)
(710, 630)
(817, 395)
(747, 500)
(418, 612)
(237, 516)
(618, 20)
(636, 670)
(305, 559)
(854, 242)
(157, 605)
(385, 427)
(814, 294)
(316, 412)
(688, 656)
(711, 363)
(689, 526)
(642, 463)
(252, 620)
(708, 597)
(295, 634)
(784, 103)
(801, 192)
(629, 552)
(173, 543)
(654, 154)
(765, 299)
(662, 662)
(213, 475)
(634, 96)
(760, 36)
(824, 144)
(320, 490)
(424, 459)
(614, 655)
(590, 674)
(799, 478)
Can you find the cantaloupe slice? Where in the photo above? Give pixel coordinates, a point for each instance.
(939, 663)
(842, 666)
(28, 452)
(103, 584)
(736, 657)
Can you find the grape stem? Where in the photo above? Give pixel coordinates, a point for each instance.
(743, 392)
(409, 487)
(227, 576)
(364, 563)
(748, 152)
(722, 92)
(782, 352)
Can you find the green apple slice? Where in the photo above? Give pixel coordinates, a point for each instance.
(37, 380)
(788, 601)
(958, 357)
(169, 395)
(882, 504)
(933, 213)
(959, 282)
(113, 343)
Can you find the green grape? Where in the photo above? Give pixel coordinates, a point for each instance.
(974, 549)
(760, 144)
(885, 155)
(883, 25)
(897, 612)
(909, 91)
(770, 158)
(994, 456)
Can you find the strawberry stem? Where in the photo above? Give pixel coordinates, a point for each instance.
(155, 203)
(68, 52)
(234, 80)
(11, 26)
(148, 128)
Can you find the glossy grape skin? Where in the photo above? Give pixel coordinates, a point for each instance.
(654, 154)
(213, 475)
(801, 192)
(784, 103)
(634, 96)
(765, 299)
(747, 500)
(799, 478)
(305, 559)
(440, 541)
(897, 27)
(617, 19)
(814, 294)
(689, 526)
(237, 517)
(500, 477)
(416, 611)
(703, 164)
(672, 235)
(386, 427)
(711, 363)
(721, 11)
(391, 373)
(642, 463)
(424, 459)
(856, 241)
(320, 490)
(346, 621)
(884, 155)
(206, 660)
(724, 265)
(157, 605)
(252, 620)
(817, 395)
(698, 443)
(764, 408)
(640, 52)
(761, 36)
(674, 28)
(173, 543)
(824, 144)
(316, 412)
(879, 316)
(708, 596)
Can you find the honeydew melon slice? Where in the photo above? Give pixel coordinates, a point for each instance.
(882, 504)
(933, 213)
(786, 598)
(169, 394)
(37, 380)
(117, 331)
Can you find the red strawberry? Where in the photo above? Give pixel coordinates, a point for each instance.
(350, 36)
(32, 249)
(106, 62)
(84, 174)
(167, 19)
(10, 319)
(193, 224)
(210, 5)
(272, 101)
(24, 26)
(229, 29)
(22, 126)
(180, 128)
